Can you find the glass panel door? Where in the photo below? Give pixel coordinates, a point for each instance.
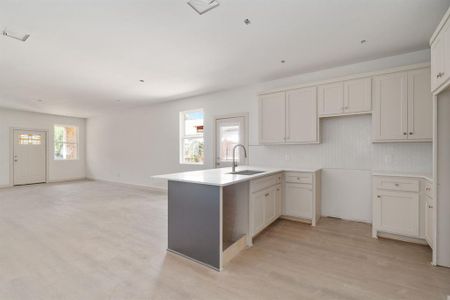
(229, 133)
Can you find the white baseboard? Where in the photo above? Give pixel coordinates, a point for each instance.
(67, 180)
(146, 187)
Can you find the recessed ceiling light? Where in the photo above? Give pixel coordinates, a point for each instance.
(202, 6)
(247, 22)
(15, 35)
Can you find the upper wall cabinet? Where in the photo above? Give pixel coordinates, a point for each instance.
(272, 111)
(402, 109)
(348, 97)
(331, 99)
(440, 56)
(289, 117)
(302, 122)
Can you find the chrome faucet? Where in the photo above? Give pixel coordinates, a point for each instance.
(234, 156)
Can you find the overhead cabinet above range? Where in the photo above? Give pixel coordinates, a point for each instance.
(289, 117)
(345, 97)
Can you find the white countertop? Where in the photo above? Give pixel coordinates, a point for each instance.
(221, 177)
(426, 176)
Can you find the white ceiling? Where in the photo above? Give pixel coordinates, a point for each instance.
(84, 55)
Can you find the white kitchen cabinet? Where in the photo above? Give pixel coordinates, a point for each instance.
(358, 96)
(420, 105)
(348, 97)
(258, 201)
(402, 107)
(270, 206)
(279, 200)
(299, 201)
(302, 122)
(302, 196)
(401, 208)
(428, 208)
(440, 55)
(398, 212)
(390, 100)
(331, 99)
(289, 117)
(272, 110)
(265, 202)
(438, 61)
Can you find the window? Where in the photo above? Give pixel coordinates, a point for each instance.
(66, 142)
(191, 137)
(29, 139)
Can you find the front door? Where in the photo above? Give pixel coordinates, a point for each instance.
(229, 133)
(29, 157)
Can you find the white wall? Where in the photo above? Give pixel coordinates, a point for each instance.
(144, 142)
(57, 170)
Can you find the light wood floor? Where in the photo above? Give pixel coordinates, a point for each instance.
(93, 240)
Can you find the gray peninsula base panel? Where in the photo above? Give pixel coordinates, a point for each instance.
(194, 213)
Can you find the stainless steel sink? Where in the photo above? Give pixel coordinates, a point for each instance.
(247, 172)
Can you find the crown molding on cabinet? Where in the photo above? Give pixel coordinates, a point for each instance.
(348, 77)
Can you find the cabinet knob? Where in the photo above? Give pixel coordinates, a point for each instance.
(396, 184)
(378, 196)
(405, 133)
(411, 133)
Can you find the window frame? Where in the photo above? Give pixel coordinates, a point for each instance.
(77, 143)
(184, 136)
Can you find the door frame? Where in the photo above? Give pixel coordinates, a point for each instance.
(11, 152)
(244, 115)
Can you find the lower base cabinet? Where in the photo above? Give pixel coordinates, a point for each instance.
(403, 208)
(265, 202)
(298, 200)
(429, 230)
(398, 213)
(302, 196)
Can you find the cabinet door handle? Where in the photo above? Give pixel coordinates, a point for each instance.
(430, 206)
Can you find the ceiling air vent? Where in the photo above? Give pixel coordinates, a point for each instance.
(202, 6)
(15, 35)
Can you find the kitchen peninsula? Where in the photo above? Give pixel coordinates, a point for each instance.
(214, 214)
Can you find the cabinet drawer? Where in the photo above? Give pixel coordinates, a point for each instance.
(265, 182)
(397, 184)
(304, 178)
